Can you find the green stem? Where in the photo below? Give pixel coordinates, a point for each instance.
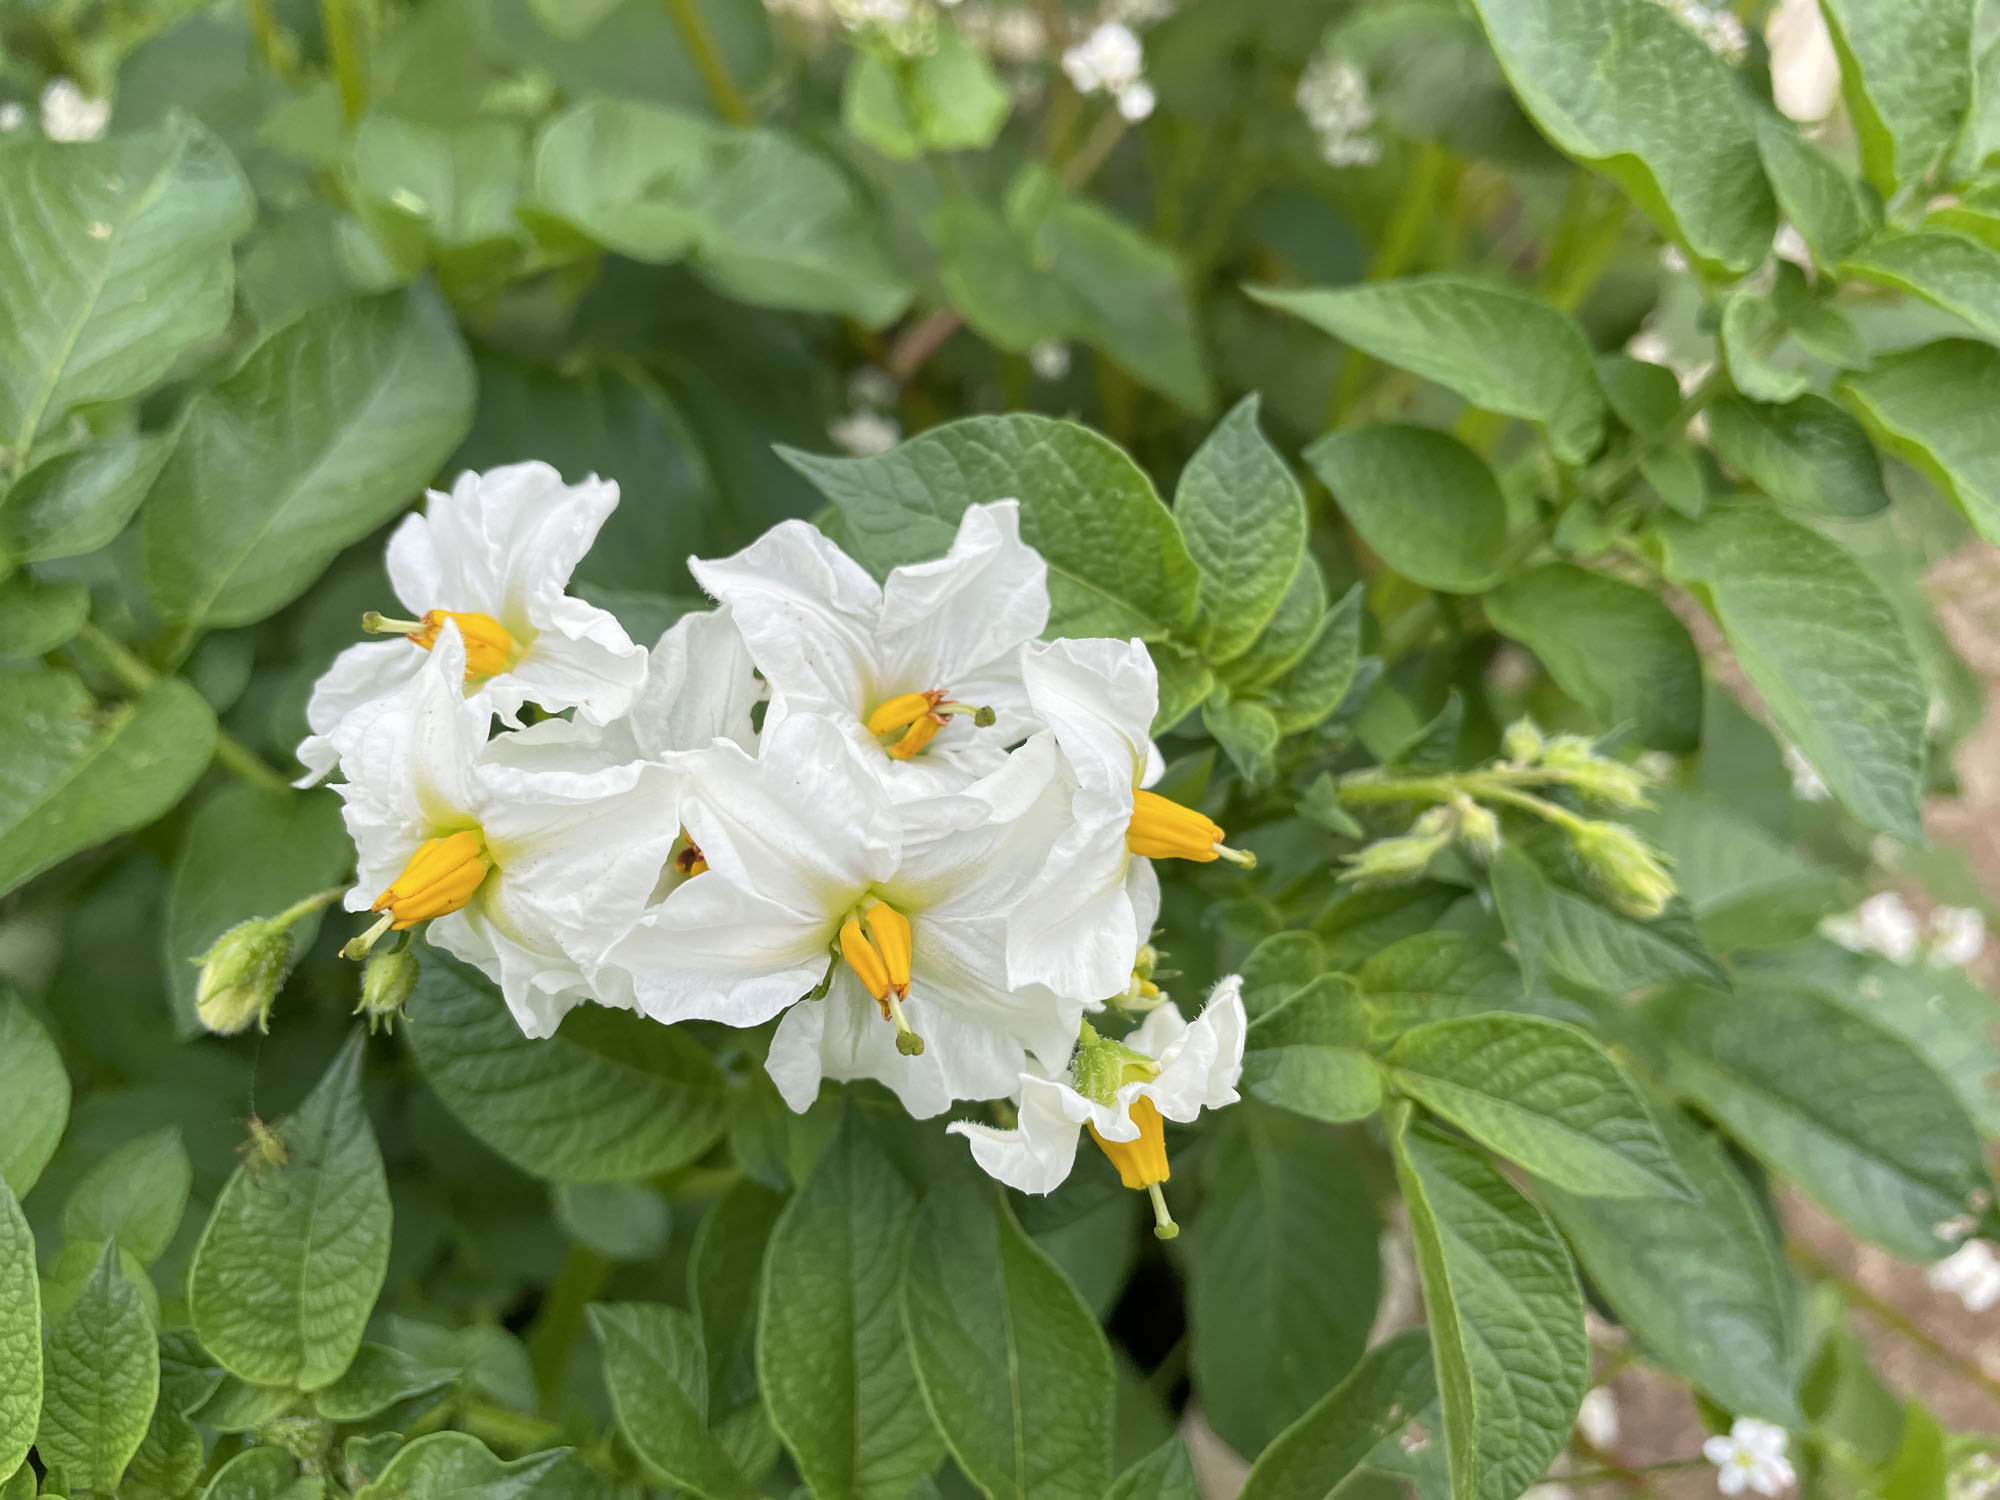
(559, 1324)
(1400, 239)
(231, 753)
(1894, 1319)
(1499, 784)
(1630, 1474)
(270, 40)
(709, 62)
(343, 45)
(1096, 148)
(309, 904)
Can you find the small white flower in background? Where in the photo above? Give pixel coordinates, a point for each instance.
(1791, 245)
(69, 114)
(1597, 1418)
(1882, 924)
(1049, 359)
(492, 557)
(864, 433)
(1807, 784)
(13, 115)
(871, 387)
(1142, 12)
(908, 26)
(1805, 70)
(1109, 60)
(1958, 936)
(1719, 30)
(1673, 258)
(1123, 1092)
(1751, 1456)
(1970, 1273)
(1650, 345)
(1975, 1477)
(1333, 96)
(1136, 103)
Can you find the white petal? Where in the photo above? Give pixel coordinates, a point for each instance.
(1718, 1449)
(717, 952)
(1099, 697)
(416, 748)
(359, 676)
(700, 686)
(539, 982)
(807, 612)
(1038, 1155)
(966, 616)
(417, 574)
(1077, 931)
(586, 663)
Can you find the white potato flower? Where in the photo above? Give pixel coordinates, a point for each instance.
(1882, 924)
(494, 558)
(1109, 60)
(527, 855)
(69, 114)
(1751, 1455)
(1958, 936)
(1122, 1092)
(1970, 1273)
(923, 670)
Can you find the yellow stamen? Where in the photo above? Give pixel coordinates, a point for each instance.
(920, 716)
(440, 878)
(489, 647)
(877, 947)
(916, 737)
(1141, 1163)
(689, 861)
(902, 711)
(1166, 830)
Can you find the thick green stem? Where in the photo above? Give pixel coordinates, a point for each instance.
(559, 1324)
(343, 46)
(1400, 238)
(709, 62)
(231, 753)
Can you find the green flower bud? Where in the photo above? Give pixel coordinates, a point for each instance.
(240, 976)
(1522, 743)
(1632, 873)
(1478, 829)
(1405, 858)
(386, 981)
(1575, 761)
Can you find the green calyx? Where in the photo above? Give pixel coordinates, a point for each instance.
(1101, 1066)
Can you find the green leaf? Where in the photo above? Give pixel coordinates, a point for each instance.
(1938, 407)
(1313, 1458)
(657, 1374)
(1117, 564)
(100, 1380)
(1749, 330)
(1745, 888)
(1699, 1282)
(1560, 930)
(1906, 72)
(1626, 87)
(1284, 1276)
(1247, 731)
(1506, 1314)
(1543, 1094)
(831, 1353)
(1833, 211)
(1807, 453)
(624, 1221)
(380, 1377)
(247, 853)
(610, 1097)
(1611, 645)
(78, 501)
(136, 1195)
(767, 220)
(1422, 499)
(327, 430)
(1014, 1369)
(291, 1259)
(1948, 270)
(1243, 518)
(1439, 975)
(1164, 1474)
(1500, 349)
(725, 1272)
(1316, 685)
(114, 258)
(1294, 627)
(1306, 1054)
(256, 1474)
(1817, 637)
(1832, 1102)
(168, 1463)
(35, 618)
(459, 180)
(20, 1327)
(947, 99)
(456, 1466)
(74, 773)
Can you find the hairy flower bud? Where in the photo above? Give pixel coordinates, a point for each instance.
(1393, 861)
(1522, 743)
(1574, 760)
(1478, 828)
(386, 981)
(240, 975)
(1632, 873)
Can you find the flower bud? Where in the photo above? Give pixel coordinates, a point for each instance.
(1626, 866)
(1393, 861)
(1574, 761)
(240, 976)
(386, 981)
(1478, 829)
(1522, 743)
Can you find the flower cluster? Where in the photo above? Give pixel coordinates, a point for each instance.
(1751, 1455)
(1950, 938)
(889, 817)
(1111, 61)
(1333, 96)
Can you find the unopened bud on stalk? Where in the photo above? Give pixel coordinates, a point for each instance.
(1478, 828)
(240, 975)
(1631, 872)
(1522, 743)
(386, 982)
(1573, 760)
(1392, 861)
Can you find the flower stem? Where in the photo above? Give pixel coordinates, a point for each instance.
(231, 753)
(1894, 1319)
(709, 62)
(343, 45)
(1427, 173)
(559, 1324)
(309, 905)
